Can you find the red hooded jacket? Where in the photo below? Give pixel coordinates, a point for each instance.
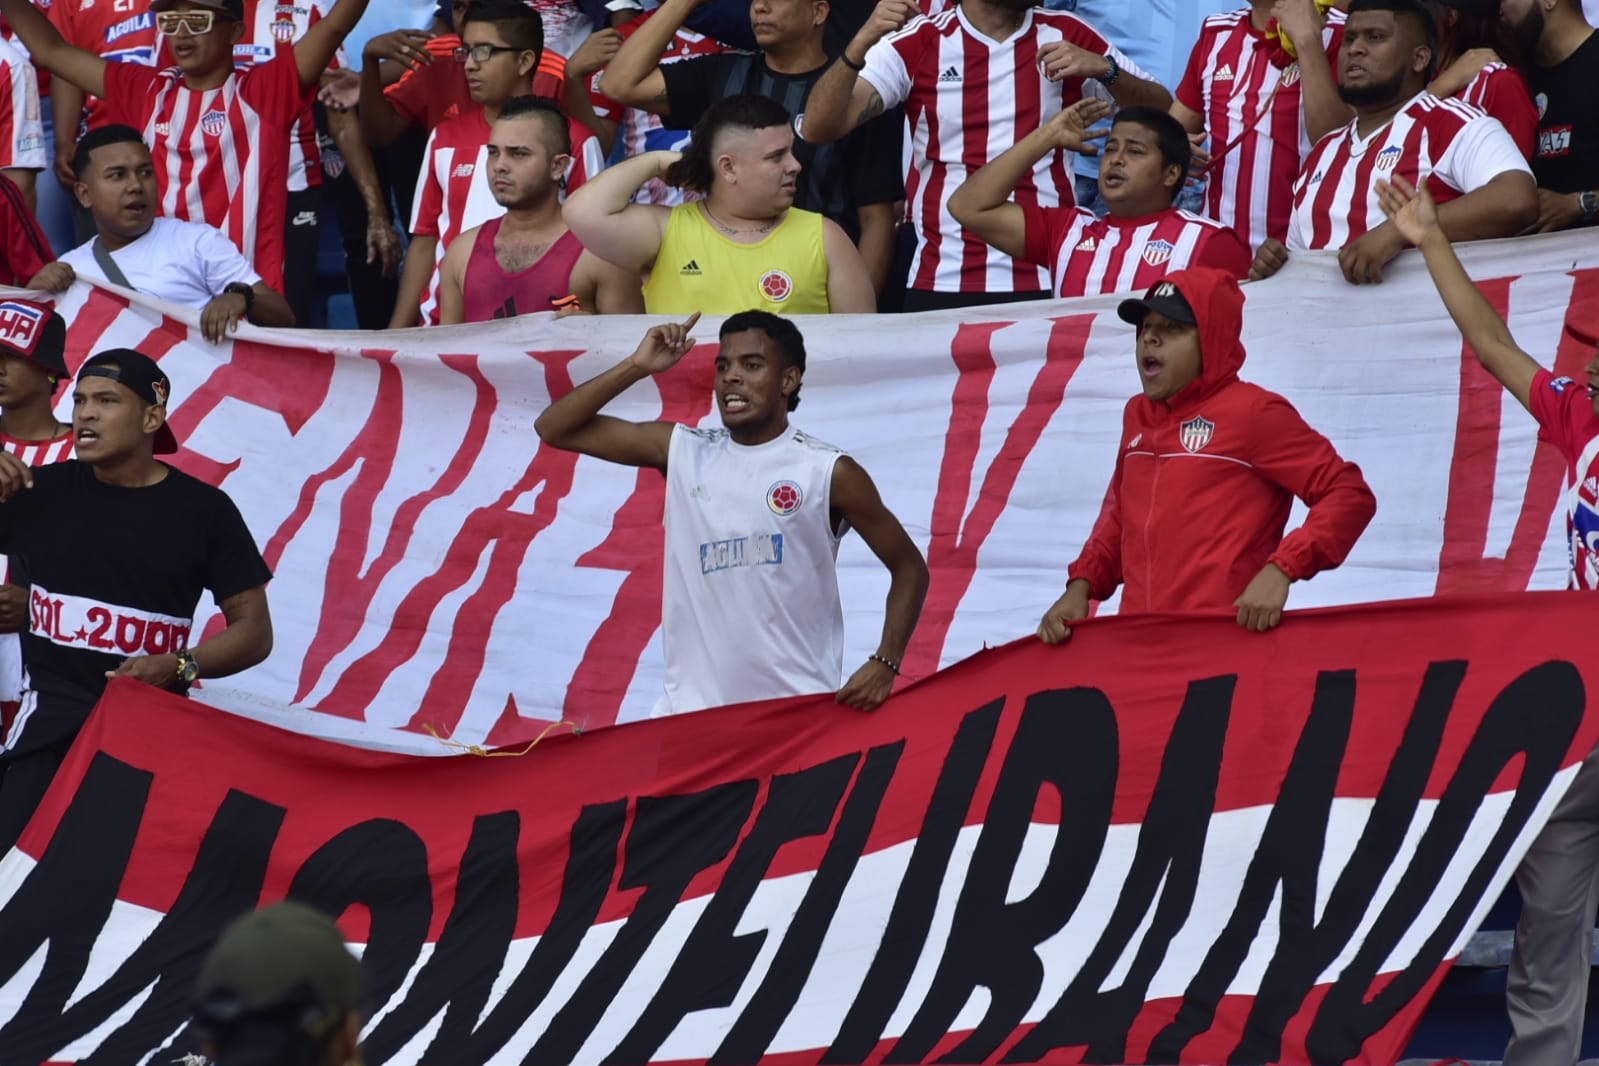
(1204, 481)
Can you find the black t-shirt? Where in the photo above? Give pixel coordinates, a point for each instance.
(866, 167)
(112, 573)
(1568, 126)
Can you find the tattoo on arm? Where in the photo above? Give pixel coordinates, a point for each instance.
(872, 108)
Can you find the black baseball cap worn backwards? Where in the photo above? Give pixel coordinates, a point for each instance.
(140, 373)
(1163, 297)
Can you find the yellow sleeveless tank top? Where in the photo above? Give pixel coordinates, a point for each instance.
(699, 269)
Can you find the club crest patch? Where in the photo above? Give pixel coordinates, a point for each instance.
(784, 497)
(1157, 252)
(1196, 433)
(214, 122)
(1388, 158)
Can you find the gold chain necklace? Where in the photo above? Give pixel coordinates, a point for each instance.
(729, 230)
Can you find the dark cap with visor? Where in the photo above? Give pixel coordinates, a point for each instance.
(1164, 297)
(140, 373)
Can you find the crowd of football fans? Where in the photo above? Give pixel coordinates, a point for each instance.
(489, 158)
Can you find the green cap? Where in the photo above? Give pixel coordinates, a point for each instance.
(287, 966)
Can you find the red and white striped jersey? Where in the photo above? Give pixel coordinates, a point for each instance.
(1087, 256)
(640, 131)
(1233, 81)
(115, 32)
(39, 452)
(269, 25)
(1502, 92)
(21, 122)
(968, 98)
(452, 190)
(222, 155)
(32, 453)
(1451, 145)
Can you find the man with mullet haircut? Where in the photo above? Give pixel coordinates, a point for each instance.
(745, 245)
(219, 136)
(755, 512)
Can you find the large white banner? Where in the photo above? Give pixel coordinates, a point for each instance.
(439, 571)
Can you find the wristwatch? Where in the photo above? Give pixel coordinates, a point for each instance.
(1108, 78)
(188, 669)
(1589, 202)
(246, 291)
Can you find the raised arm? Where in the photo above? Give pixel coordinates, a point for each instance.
(593, 54)
(381, 123)
(982, 203)
(45, 44)
(314, 51)
(1416, 217)
(1063, 59)
(841, 100)
(634, 75)
(856, 501)
(609, 224)
(1324, 111)
(574, 421)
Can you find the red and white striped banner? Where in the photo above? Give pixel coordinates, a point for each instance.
(439, 569)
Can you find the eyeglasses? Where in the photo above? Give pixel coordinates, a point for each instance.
(197, 23)
(482, 53)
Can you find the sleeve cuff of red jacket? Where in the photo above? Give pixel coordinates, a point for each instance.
(1294, 571)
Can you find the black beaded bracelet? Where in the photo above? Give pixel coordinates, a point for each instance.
(857, 68)
(890, 663)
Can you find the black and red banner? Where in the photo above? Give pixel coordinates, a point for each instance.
(1168, 841)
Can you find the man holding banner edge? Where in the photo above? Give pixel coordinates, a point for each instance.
(1182, 531)
(760, 507)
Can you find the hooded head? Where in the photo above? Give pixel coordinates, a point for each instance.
(1188, 325)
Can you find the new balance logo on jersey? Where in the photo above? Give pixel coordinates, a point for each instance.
(463, 170)
(1134, 442)
(1555, 141)
(691, 269)
(1087, 244)
(951, 74)
(1224, 74)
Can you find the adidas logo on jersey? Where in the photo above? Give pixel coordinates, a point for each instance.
(1224, 74)
(691, 269)
(1087, 244)
(951, 74)
(463, 170)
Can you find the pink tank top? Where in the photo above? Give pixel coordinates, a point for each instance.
(488, 292)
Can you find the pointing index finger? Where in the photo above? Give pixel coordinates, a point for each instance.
(688, 323)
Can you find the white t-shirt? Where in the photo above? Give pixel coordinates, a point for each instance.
(186, 263)
(749, 605)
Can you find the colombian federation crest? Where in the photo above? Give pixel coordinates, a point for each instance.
(1196, 433)
(214, 122)
(1389, 157)
(1157, 252)
(776, 286)
(784, 497)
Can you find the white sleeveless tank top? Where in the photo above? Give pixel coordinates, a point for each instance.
(749, 605)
